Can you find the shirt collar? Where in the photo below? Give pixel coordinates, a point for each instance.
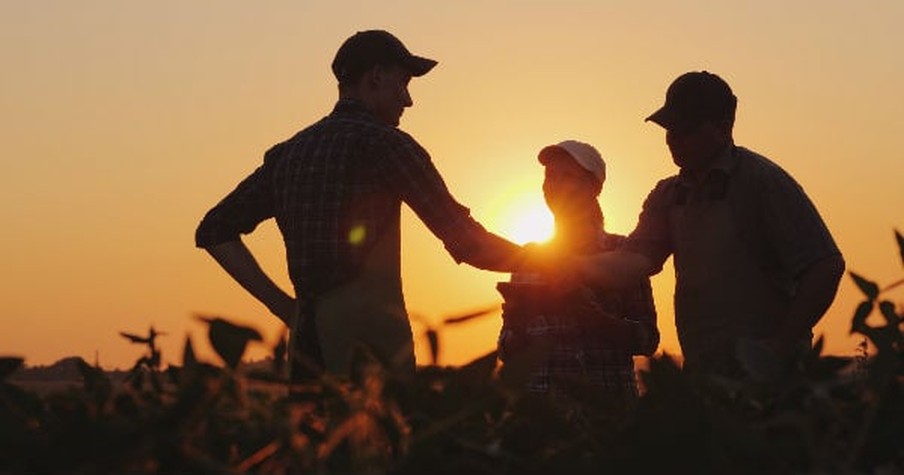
(354, 107)
(725, 163)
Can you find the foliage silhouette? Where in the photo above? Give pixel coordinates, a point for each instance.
(432, 331)
(831, 415)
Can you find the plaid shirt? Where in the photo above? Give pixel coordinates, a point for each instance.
(335, 189)
(579, 349)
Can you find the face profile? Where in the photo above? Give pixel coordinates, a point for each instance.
(391, 95)
(692, 148)
(374, 68)
(567, 185)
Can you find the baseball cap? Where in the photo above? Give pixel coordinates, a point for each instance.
(366, 49)
(583, 153)
(694, 98)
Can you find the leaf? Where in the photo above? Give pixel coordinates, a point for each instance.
(279, 353)
(433, 339)
(868, 287)
(900, 239)
(888, 311)
(858, 323)
(884, 339)
(134, 338)
(189, 360)
(894, 285)
(469, 316)
(817, 347)
(9, 365)
(229, 340)
(154, 360)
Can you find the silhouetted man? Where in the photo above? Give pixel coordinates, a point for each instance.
(336, 190)
(755, 265)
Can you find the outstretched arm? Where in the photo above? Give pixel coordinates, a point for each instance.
(237, 260)
(614, 270)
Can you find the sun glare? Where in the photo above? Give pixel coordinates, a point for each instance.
(525, 218)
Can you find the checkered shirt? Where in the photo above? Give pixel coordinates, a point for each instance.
(579, 351)
(335, 188)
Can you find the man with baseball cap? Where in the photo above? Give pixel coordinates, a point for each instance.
(592, 333)
(335, 190)
(755, 265)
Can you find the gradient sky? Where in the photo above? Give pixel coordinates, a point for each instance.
(123, 122)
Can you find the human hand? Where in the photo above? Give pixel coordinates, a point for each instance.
(557, 268)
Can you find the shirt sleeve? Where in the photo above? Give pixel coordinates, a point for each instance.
(408, 169)
(791, 223)
(239, 212)
(652, 237)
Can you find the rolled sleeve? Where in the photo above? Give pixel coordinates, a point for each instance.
(652, 236)
(408, 169)
(791, 223)
(239, 212)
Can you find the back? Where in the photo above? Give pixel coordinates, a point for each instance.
(330, 200)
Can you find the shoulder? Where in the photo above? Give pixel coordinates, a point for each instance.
(291, 144)
(759, 169)
(391, 142)
(665, 186)
(399, 138)
(663, 194)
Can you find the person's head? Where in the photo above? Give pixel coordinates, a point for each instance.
(374, 66)
(698, 117)
(574, 173)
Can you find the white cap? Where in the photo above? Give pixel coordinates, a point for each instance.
(583, 153)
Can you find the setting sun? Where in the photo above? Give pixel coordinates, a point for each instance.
(525, 218)
(179, 113)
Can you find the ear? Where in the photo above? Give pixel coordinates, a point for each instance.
(725, 127)
(716, 130)
(374, 76)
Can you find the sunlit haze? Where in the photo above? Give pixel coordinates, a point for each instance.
(124, 122)
(522, 216)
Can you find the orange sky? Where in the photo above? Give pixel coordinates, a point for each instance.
(123, 122)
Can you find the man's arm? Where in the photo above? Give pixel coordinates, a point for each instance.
(642, 254)
(237, 260)
(804, 246)
(219, 234)
(409, 171)
(497, 254)
(613, 270)
(815, 292)
(763, 359)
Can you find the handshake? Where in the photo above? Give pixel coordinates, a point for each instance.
(555, 268)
